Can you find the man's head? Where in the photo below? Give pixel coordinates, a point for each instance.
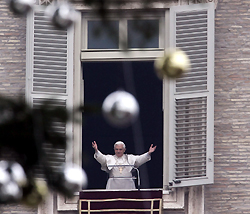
(119, 148)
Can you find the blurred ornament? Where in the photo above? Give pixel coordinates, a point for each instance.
(4, 174)
(18, 174)
(71, 178)
(10, 192)
(120, 108)
(12, 178)
(35, 193)
(75, 177)
(21, 7)
(14, 171)
(61, 15)
(172, 64)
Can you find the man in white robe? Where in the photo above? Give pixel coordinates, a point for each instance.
(120, 165)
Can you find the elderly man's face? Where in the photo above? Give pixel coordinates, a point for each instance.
(119, 150)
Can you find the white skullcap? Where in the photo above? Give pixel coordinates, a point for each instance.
(120, 143)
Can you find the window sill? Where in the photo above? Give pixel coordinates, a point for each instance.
(173, 199)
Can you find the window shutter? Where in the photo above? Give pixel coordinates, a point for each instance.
(191, 98)
(49, 71)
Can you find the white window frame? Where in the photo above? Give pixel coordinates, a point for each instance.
(74, 153)
(120, 54)
(171, 199)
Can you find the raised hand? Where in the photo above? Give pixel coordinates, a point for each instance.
(151, 149)
(94, 145)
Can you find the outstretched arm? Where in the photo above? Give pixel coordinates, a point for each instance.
(101, 158)
(141, 159)
(151, 149)
(94, 145)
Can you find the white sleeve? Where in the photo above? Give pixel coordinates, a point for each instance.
(141, 159)
(101, 158)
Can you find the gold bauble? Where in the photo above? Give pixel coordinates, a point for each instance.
(172, 64)
(37, 193)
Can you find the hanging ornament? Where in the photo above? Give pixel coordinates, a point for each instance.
(120, 109)
(12, 178)
(21, 7)
(75, 177)
(69, 180)
(61, 15)
(4, 174)
(35, 193)
(10, 192)
(18, 174)
(172, 64)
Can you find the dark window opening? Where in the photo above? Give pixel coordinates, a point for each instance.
(138, 78)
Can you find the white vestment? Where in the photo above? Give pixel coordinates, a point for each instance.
(120, 177)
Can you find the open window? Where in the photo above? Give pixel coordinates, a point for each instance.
(53, 70)
(138, 78)
(107, 68)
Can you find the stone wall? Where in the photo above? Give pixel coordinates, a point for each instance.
(230, 192)
(12, 71)
(12, 52)
(17, 209)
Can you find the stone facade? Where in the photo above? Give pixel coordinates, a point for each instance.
(12, 71)
(12, 52)
(230, 191)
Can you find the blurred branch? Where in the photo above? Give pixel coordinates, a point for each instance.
(25, 133)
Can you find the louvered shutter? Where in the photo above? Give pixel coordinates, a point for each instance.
(191, 104)
(49, 71)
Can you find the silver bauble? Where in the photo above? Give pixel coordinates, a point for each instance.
(172, 64)
(13, 171)
(73, 179)
(4, 174)
(10, 192)
(12, 179)
(120, 109)
(18, 174)
(21, 7)
(61, 15)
